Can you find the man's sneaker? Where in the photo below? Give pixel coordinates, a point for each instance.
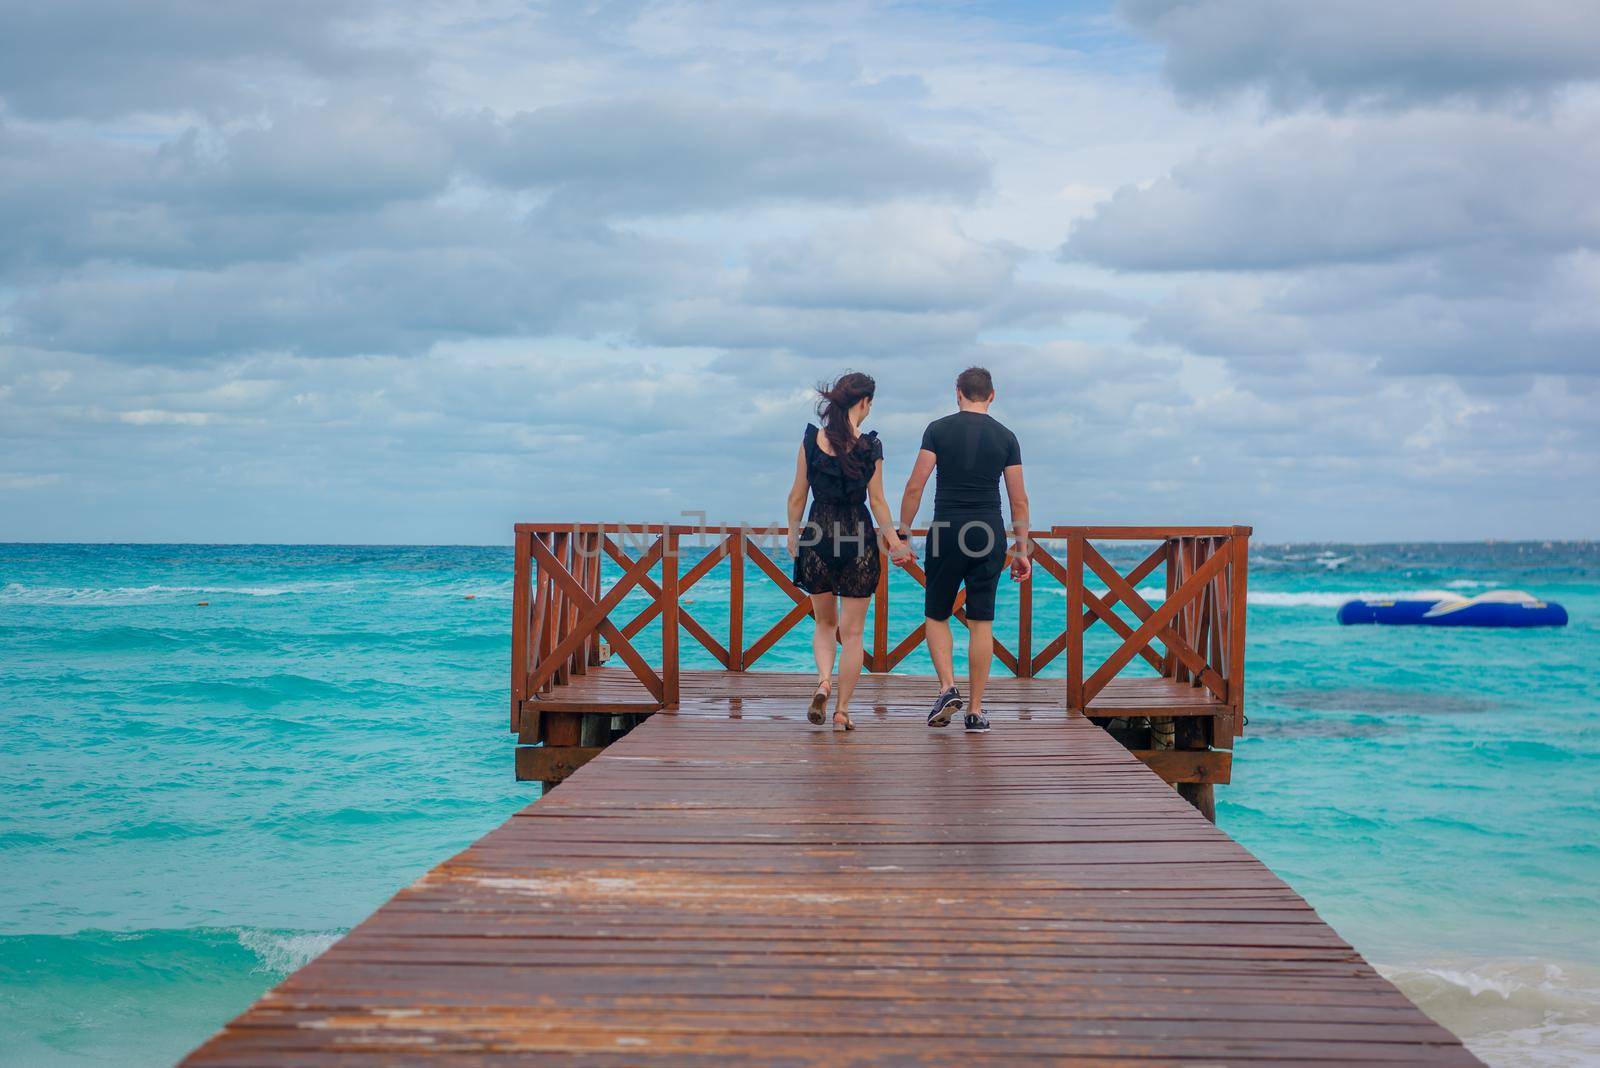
(977, 722)
(945, 706)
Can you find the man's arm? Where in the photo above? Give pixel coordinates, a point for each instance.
(1017, 494)
(911, 500)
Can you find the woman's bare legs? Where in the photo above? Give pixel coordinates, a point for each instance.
(852, 624)
(825, 639)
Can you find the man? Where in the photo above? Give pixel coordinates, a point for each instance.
(972, 453)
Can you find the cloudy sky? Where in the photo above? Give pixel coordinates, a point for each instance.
(338, 270)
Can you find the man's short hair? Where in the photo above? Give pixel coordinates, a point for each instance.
(975, 384)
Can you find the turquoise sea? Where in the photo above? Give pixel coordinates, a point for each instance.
(198, 799)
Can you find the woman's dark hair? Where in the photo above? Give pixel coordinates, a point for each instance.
(833, 408)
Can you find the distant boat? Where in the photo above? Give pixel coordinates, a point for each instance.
(1497, 608)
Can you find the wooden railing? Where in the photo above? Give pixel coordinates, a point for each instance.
(562, 621)
(1170, 685)
(1200, 623)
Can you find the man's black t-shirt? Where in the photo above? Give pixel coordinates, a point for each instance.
(973, 450)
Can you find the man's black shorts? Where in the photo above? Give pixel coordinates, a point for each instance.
(964, 550)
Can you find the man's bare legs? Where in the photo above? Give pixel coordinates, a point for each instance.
(980, 651)
(852, 625)
(941, 648)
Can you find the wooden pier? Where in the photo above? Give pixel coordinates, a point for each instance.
(1190, 649)
(725, 882)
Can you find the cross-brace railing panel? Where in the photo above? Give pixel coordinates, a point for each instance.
(562, 621)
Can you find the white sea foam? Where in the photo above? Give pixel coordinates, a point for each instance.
(1149, 593)
(18, 593)
(282, 952)
(1335, 598)
(1538, 1014)
(1288, 598)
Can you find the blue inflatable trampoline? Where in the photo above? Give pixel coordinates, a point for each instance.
(1498, 608)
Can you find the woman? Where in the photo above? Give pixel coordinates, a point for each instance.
(837, 561)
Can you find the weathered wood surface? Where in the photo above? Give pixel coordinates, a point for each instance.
(614, 690)
(731, 884)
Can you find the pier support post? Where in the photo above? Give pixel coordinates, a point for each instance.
(1191, 733)
(561, 730)
(1202, 795)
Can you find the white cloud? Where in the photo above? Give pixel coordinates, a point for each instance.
(1372, 51)
(100, 59)
(350, 272)
(896, 260)
(664, 154)
(1319, 190)
(1442, 242)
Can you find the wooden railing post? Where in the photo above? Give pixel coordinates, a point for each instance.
(1175, 569)
(521, 589)
(669, 620)
(736, 602)
(880, 619)
(560, 622)
(582, 562)
(1025, 625)
(597, 563)
(1074, 650)
(1239, 583)
(1187, 549)
(539, 617)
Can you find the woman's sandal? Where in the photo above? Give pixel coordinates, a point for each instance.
(819, 704)
(847, 725)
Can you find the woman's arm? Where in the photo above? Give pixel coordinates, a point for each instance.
(797, 501)
(899, 551)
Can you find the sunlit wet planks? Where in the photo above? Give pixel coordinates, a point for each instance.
(730, 883)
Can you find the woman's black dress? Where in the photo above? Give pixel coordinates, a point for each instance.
(838, 544)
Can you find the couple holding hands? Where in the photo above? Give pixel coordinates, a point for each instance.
(836, 550)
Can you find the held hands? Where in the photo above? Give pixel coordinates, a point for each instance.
(906, 554)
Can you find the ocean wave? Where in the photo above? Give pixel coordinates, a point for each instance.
(17, 593)
(1284, 598)
(1538, 1014)
(259, 692)
(282, 952)
(1149, 593)
(201, 953)
(476, 590)
(1334, 598)
(134, 997)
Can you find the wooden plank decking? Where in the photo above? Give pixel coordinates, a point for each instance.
(616, 689)
(729, 883)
